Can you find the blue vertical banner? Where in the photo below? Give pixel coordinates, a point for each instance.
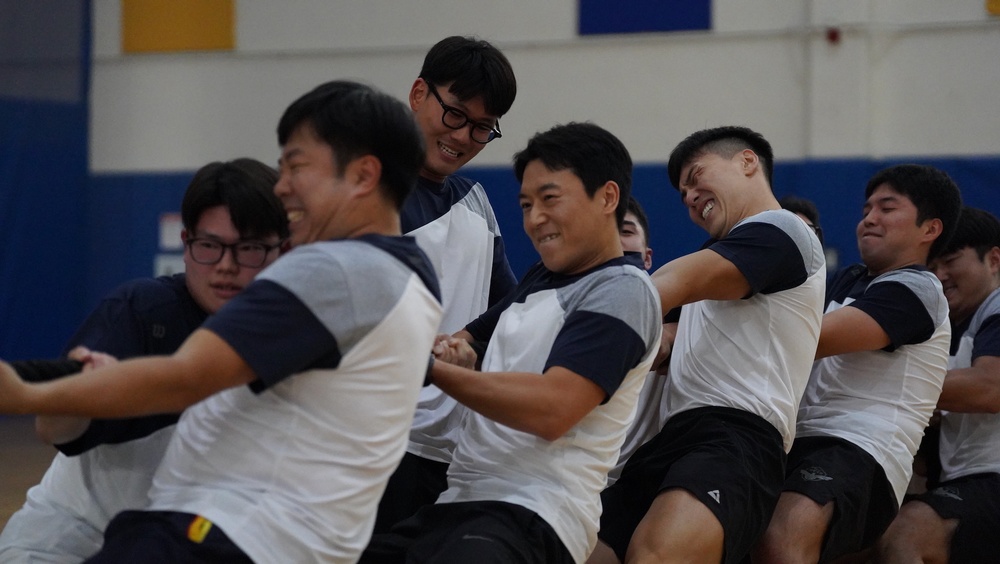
(598, 17)
(44, 74)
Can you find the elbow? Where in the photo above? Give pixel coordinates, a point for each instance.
(552, 428)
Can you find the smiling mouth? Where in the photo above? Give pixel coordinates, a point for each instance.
(708, 208)
(295, 215)
(451, 153)
(547, 238)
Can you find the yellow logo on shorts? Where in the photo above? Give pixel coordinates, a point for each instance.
(198, 529)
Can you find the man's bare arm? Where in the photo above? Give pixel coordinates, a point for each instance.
(204, 365)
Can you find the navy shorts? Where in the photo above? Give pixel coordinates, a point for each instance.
(826, 469)
(484, 532)
(731, 460)
(166, 537)
(975, 501)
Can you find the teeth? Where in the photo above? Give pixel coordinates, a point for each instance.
(294, 216)
(708, 207)
(448, 151)
(547, 238)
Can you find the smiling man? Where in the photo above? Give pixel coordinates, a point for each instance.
(704, 487)
(882, 357)
(567, 353)
(233, 227)
(302, 388)
(957, 520)
(464, 87)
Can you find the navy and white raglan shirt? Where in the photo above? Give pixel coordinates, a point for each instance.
(292, 466)
(969, 441)
(454, 224)
(882, 400)
(754, 354)
(110, 467)
(604, 325)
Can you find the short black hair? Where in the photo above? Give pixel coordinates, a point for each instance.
(635, 208)
(246, 188)
(474, 68)
(931, 190)
(357, 120)
(724, 141)
(591, 152)
(805, 207)
(976, 228)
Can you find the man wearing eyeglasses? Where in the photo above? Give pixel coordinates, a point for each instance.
(464, 87)
(233, 228)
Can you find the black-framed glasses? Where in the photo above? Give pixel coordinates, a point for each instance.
(455, 118)
(250, 254)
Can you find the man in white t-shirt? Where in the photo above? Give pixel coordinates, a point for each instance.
(958, 519)
(882, 355)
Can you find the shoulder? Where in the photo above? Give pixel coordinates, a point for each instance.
(918, 280)
(151, 293)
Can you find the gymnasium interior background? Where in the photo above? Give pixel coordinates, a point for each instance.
(107, 107)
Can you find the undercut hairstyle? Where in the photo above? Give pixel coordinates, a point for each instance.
(357, 120)
(590, 152)
(245, 187)
(976, 228)
(724, 141)
(932, 192)
(474, 68)
(635, 208)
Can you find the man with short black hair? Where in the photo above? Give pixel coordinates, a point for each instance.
(566, 356)
(302, 389)
(957, 521)
(702, 490)
(882, 356)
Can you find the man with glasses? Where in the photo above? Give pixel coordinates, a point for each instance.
(233, 228)
(464, 87)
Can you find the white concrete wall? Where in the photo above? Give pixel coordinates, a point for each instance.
(908, 77)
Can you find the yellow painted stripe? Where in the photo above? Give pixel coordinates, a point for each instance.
(198, 529)
(178, 25)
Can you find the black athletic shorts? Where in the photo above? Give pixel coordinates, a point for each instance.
(166, 537)
(826, 469)
(731, 460)
(482, 532)
(975, 501)
(416, 482)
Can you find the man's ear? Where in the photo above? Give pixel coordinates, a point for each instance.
(611, 194)
(184, 236)
(418, 93)
(364, 173)
(932, 229)
(992, 259)
(751, 162)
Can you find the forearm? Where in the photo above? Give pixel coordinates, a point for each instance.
(965, 391)
(518, 400)
(136, 387)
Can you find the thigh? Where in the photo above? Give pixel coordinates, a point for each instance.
(836, 473)
(974, 502)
